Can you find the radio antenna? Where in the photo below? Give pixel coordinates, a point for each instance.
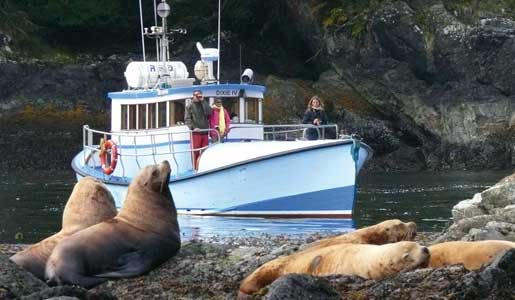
(155, 23)
(142, 37)
(219, 55)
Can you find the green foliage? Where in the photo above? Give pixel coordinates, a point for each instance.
(351, 15)
(358, 27)
(20, 27)
(14, 21)
(336, 17)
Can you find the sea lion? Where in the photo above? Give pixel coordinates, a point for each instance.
(367, 261)
(89, 203)
(472, 255)
(144, 234)
(389, 231)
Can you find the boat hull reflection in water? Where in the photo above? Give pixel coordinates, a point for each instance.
(194, 227)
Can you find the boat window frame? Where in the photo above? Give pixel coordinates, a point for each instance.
(256, 113)
(232, 105)
(154, 115)
(162, 106)
(124, 109)
(141, 116)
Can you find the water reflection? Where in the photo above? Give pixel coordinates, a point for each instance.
(193, 227)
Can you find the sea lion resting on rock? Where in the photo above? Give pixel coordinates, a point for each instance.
(472, 255)
(367, 261)
(389, 231)
(90, 203)
(144, 234)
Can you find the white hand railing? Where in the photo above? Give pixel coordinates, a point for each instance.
(147, 147)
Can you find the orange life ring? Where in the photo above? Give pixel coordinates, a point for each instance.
(104, 146)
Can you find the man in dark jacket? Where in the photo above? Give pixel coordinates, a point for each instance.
(196, 117)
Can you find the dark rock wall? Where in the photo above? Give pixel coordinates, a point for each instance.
(427, 84)
(440, 89)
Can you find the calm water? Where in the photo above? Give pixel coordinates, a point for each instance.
(32, 205)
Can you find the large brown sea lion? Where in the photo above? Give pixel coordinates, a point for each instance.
(472, 255)
(90, 203)
(367, 261)
(144, 234)
(389, 231)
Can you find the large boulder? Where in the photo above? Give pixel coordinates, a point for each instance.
(500, 195)
(488, 215)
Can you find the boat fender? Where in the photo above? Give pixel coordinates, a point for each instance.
(106, 145)
(355, 149)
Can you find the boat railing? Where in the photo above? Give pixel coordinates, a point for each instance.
(290, 132)
(162, 143)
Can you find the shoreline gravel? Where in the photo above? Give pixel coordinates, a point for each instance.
(207, 268)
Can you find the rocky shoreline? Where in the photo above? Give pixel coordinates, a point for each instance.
(210, 269)
(213, 268)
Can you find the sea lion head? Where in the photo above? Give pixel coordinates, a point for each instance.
(391, 231)
(90, 203)
(149, 204)
(406, 256)
(153, 178)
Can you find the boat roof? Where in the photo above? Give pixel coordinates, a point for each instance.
(209, 90)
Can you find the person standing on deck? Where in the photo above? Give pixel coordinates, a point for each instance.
(314, 115)
(196, 118)
(219, 120)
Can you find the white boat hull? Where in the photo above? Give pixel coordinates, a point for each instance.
(307, 180)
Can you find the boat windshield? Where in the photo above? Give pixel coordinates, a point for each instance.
(152, 115)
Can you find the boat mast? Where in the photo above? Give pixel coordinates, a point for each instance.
(142, 30)
(155, 22)
(163, 10)
(218, 62)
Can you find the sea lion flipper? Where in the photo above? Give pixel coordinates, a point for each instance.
(129, 264)
(314, 264)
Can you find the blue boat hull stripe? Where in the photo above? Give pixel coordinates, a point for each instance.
(334, 199)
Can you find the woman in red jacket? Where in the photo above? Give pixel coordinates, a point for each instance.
(219, 120)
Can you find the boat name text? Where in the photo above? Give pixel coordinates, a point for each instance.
(233, 93)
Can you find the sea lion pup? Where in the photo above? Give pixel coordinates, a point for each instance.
(367, 261)
(144, 234)
(389, 231)
(89, 203)
(472, 255)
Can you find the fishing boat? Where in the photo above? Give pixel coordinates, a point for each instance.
(256, 170)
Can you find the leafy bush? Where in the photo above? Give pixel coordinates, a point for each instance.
(351, 15)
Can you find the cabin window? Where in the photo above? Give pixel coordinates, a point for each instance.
(132, 117)
(251, 110)
(232, 105)
(161, 113)
(176, 112)
(124, 117)
(142, 116)
(152, 116)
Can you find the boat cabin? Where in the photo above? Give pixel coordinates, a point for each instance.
(144, 110)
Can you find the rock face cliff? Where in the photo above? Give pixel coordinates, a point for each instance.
(427, 84)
